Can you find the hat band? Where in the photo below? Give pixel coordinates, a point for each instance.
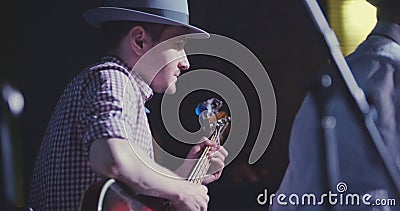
(173, 15)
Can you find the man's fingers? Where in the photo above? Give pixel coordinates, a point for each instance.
(219, 151)
(216, 155)
(218, 165)
(207, 142)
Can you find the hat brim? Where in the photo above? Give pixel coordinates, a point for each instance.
(101, 15)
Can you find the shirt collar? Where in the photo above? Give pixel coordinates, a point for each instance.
(145, 89)
(388, 29)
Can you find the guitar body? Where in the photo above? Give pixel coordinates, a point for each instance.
(110, 195)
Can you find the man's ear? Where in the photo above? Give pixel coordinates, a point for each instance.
(140, 40)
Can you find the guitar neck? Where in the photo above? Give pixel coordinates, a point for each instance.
(203, 164)
(201, 168)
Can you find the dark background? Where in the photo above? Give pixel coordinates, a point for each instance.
(51, 43)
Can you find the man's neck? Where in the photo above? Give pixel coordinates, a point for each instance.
(126, 58)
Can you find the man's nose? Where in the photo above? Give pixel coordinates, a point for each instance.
(183, 62)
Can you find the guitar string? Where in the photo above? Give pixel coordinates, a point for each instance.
(207, 160)
(196, 167)
(199, 165)
(197, 176)
(195, 171)
(203, 163)
(202, 166)
(198, 179)
(202, 170)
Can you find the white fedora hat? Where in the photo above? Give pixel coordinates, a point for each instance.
(170, 12)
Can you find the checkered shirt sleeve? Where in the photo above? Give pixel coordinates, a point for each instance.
(104, 101)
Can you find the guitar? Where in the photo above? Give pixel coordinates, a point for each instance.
(112, 195)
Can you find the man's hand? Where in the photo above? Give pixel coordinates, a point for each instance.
(191, 197)
(217, 155)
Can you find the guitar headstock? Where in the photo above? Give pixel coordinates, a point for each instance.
(213, 121)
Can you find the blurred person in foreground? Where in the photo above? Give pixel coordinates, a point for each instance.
(376, 67)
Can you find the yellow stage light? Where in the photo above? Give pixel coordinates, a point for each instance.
(352, 20)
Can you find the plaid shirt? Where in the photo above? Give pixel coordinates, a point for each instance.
(104, 101)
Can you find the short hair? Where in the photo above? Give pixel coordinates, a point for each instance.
(114, 31)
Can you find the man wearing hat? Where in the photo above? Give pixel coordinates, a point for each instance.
(363, 182)
(99, 127)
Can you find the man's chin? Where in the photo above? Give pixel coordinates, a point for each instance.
(170, 90)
